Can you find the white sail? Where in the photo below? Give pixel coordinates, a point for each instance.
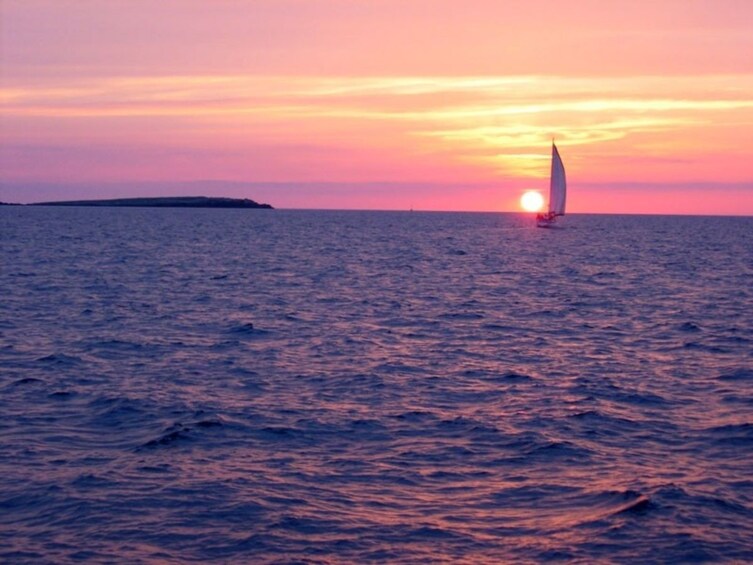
(557, 185)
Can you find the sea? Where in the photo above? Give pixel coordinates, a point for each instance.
(326, 387)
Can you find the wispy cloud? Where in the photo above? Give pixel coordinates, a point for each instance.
(497, 124)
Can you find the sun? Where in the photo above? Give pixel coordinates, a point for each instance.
(531, 201)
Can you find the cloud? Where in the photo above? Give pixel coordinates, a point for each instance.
(477, 128)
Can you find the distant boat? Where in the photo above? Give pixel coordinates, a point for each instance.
(557, 192)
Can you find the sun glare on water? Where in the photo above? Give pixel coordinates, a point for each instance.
(532, 201)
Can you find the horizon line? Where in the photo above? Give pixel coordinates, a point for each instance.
(55, 204)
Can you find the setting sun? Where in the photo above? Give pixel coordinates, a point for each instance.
(531, 201)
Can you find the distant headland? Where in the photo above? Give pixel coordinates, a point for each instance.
(163, 202)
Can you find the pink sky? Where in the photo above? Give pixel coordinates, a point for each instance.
(387, 104)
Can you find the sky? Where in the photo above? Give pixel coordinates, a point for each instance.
(380, 104)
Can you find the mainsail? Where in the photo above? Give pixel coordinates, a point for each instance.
(557, 185)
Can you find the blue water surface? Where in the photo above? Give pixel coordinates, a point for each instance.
(191, 385)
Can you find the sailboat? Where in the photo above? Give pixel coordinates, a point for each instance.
(557, 192)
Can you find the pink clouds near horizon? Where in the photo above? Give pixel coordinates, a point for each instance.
(412, 93)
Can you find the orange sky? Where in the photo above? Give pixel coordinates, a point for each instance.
(386, 104)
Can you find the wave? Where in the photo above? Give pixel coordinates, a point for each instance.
(331, 387)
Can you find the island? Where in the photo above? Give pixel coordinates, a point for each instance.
(164, 202)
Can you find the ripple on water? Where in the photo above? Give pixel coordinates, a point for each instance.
(333, 387)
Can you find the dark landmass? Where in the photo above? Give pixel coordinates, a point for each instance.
(164, 202)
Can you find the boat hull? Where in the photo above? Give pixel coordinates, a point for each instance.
(546, 220)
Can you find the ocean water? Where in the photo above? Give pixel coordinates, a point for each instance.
(242, 386)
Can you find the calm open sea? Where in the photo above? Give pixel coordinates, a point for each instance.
(187, 385)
